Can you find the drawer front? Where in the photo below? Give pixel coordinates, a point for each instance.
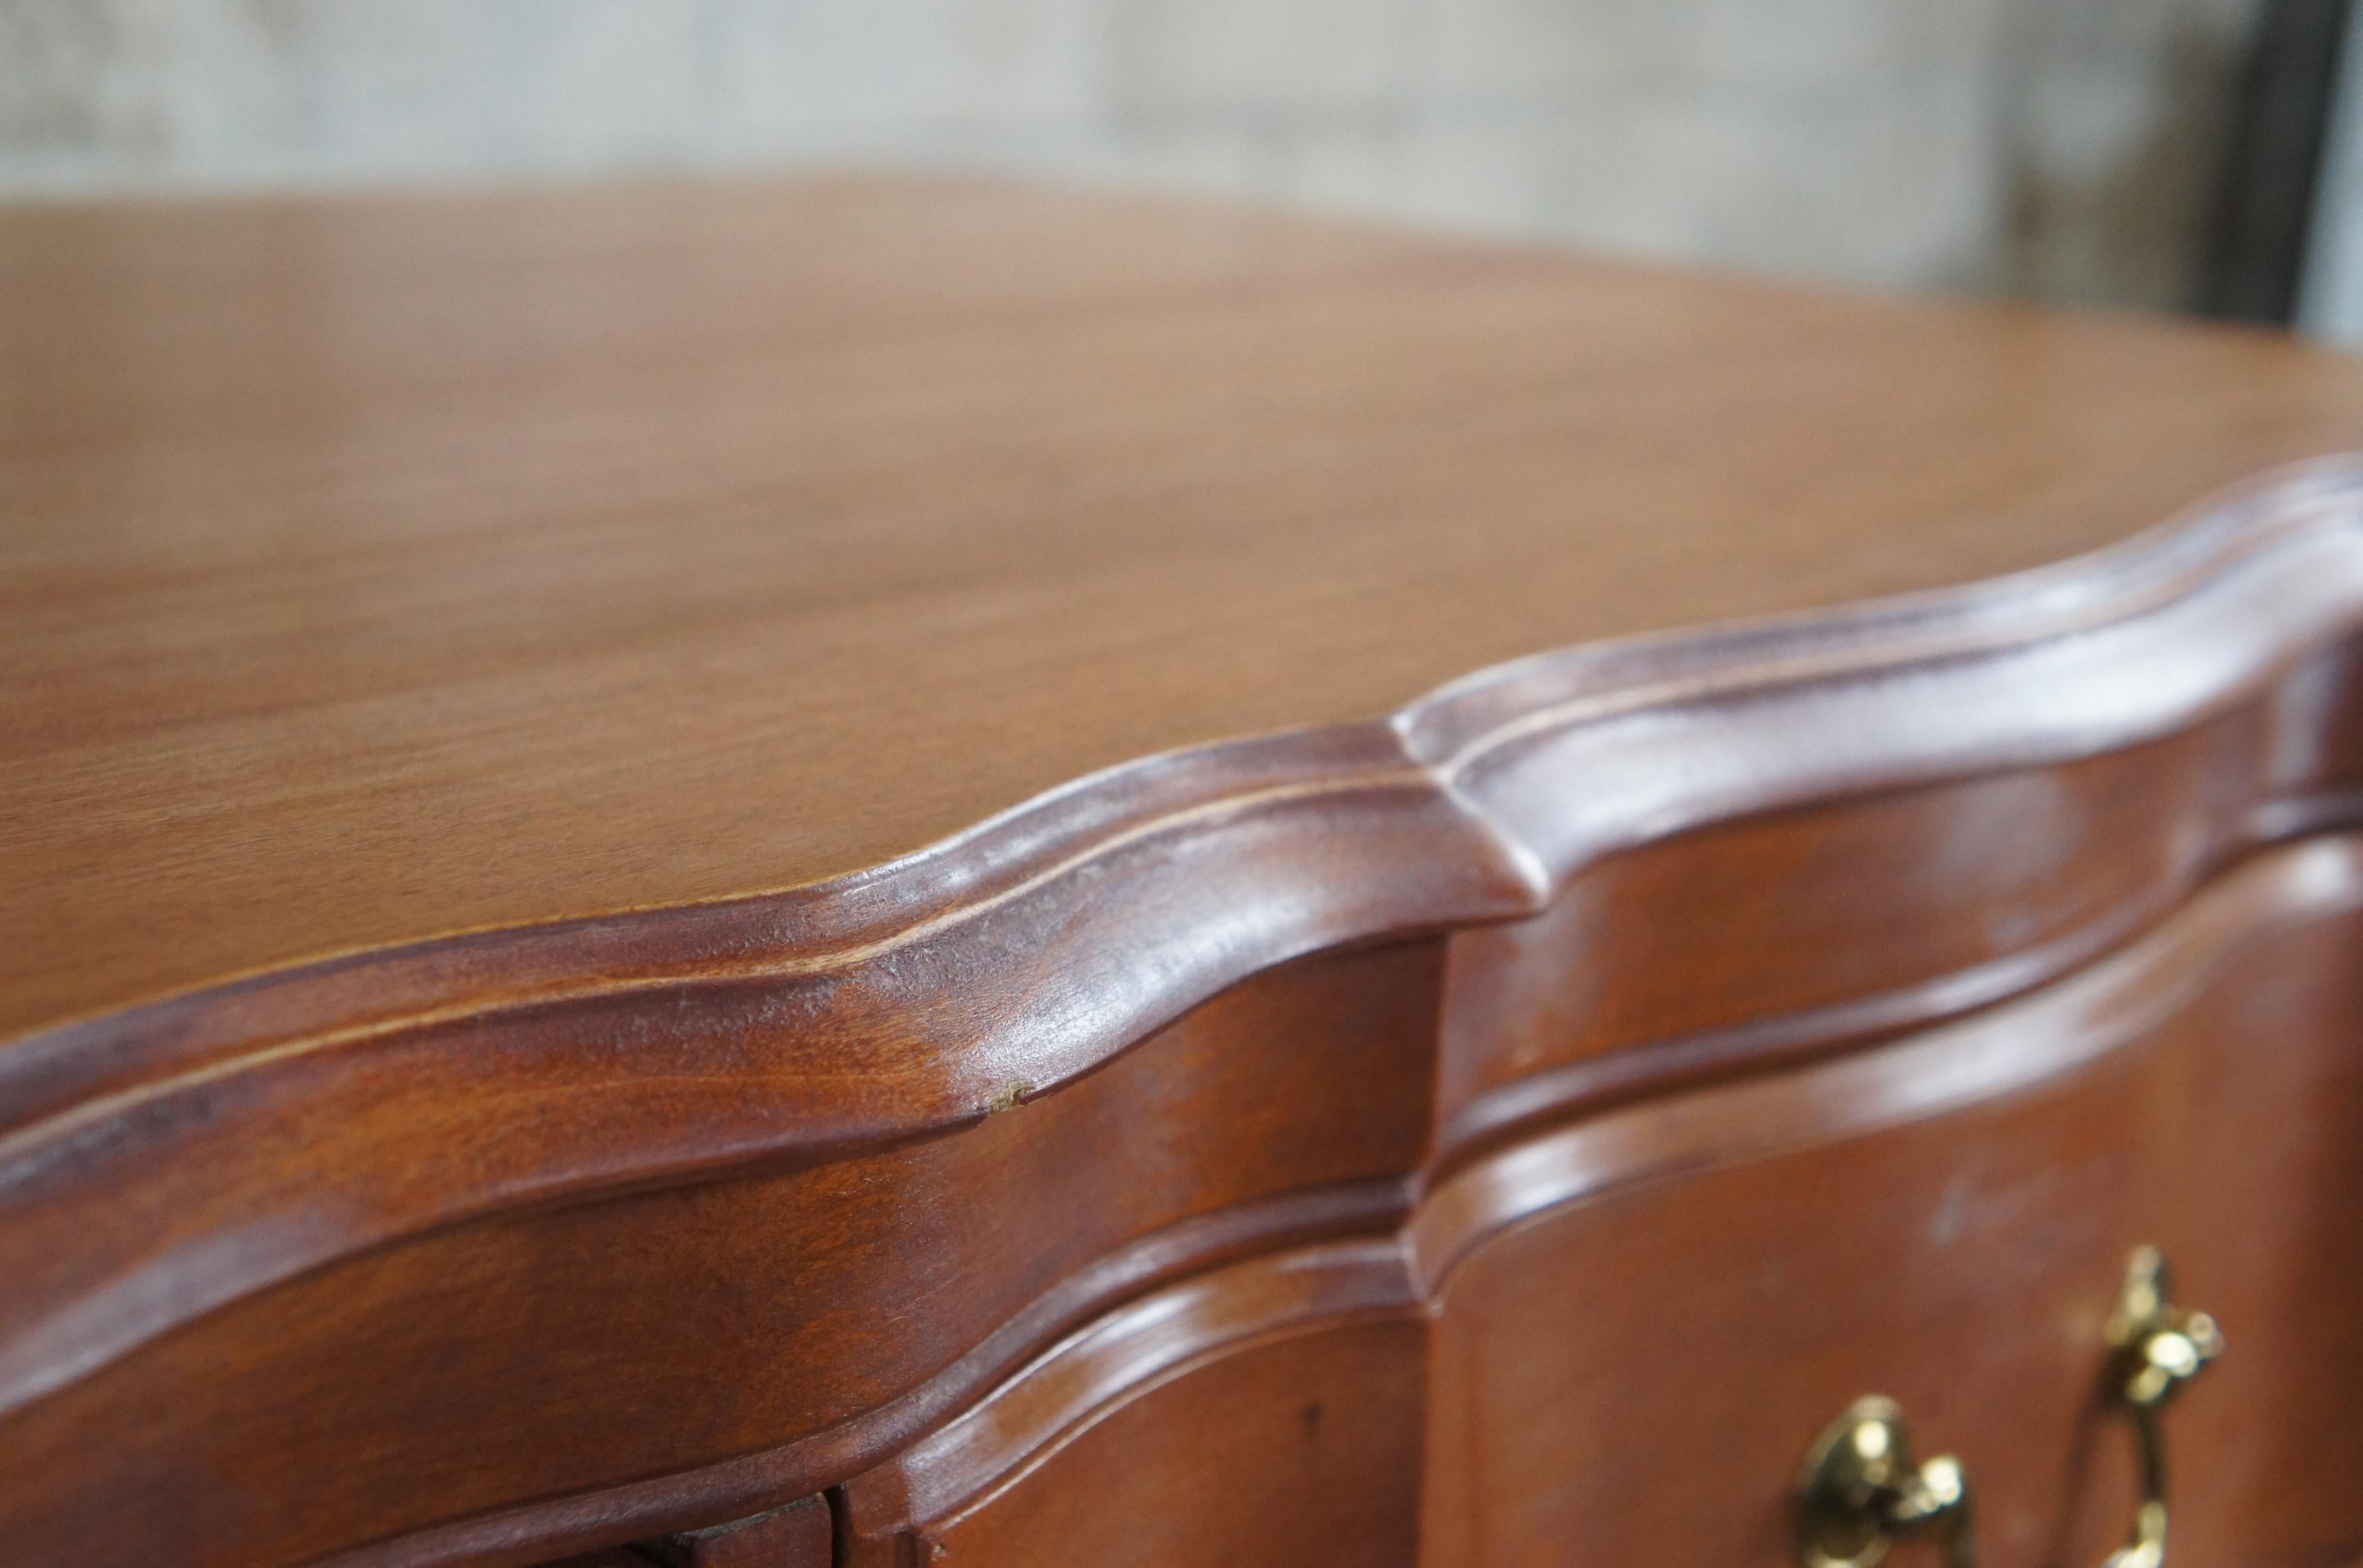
(1296, 1451)
(1634, 1376)
(1614, 1341)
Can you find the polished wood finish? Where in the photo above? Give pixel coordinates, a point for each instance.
(381, 570)
(1945, 1223)
(1292, 1450)
(799, 1535)
(822, 1315)
(551, 1008)
(1128, 1354)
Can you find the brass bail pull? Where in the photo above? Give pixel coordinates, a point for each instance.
(2155, 1348)
(1859, 1493)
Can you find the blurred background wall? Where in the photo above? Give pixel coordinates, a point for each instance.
(2070, 149)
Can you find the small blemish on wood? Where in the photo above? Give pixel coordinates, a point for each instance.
(1010, 1098)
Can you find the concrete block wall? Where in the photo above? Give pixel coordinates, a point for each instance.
(2061, 149)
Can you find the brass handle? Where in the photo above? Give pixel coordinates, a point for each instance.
(1859, 1492)
(2155, 1348)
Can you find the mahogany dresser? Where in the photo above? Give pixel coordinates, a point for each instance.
(871, 871)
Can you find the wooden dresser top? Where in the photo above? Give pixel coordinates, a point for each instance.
(380, 568)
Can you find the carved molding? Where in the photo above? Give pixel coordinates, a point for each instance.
(1132, 1350)
(672, 1044)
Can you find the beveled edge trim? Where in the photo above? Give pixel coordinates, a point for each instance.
(1345, 1214)
(1681, 1062)
(2047, 1032)
(664, 1045)
(1122, 1357)
(1129, 1352)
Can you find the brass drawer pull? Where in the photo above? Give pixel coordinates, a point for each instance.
(2157, 1348)
(1859, 1492)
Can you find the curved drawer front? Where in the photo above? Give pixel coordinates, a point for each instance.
(1619, 1336)
(1668, 1303)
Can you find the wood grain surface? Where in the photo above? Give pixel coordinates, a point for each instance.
(1943, 1221)
(713, 1220)
(668, 1045)
(672, 849)
(381, 568)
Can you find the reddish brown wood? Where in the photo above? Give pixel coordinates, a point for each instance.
(838, 1310)
(1944, 1220)
(528, 556)
(659, 1046)
(1126, 1354)
(1780, 936)
(1291, 1451)
(797, 1535)
(1028, 1178)
(1945, 1223)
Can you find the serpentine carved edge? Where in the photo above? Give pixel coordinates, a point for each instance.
(659, 1044)
(1128, 1351)
(1097, 1370)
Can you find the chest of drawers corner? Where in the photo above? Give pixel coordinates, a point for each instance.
(1018, 878)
